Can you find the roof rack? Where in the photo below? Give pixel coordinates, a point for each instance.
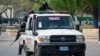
(52, 11)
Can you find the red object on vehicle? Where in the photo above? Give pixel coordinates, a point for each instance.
(62, 11)
(95, 27)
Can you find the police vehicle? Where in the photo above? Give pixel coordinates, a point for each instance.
(52, 34)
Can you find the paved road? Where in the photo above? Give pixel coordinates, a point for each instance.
(93, 47)
(5, 48)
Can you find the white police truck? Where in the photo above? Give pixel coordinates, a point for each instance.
(52, 34)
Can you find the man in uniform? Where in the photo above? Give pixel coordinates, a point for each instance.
(44, 7)
(22, 29)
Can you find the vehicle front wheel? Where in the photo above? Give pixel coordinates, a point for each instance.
(80, 54)
(36, 51)
(28, 53)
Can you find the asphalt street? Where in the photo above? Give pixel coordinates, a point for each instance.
(93, 46)
(5, 48)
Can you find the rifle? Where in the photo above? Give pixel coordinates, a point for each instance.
(17, 37)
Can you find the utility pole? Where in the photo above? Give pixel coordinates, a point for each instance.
(0, 24)
(99, 18)
(99, 26)
(0, 19)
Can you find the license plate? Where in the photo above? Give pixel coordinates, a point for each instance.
(64, 48)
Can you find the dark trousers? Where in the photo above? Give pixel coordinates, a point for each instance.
(20, 46)
(20, 50)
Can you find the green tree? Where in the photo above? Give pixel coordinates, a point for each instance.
(72, 6)
(4, 6)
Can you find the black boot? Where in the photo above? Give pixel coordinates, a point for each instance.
(20, 50)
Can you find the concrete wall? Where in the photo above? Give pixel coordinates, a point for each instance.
(91, 33)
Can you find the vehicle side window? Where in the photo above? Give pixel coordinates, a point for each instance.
(30, 24)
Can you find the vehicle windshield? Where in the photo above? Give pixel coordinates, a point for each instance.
(54, 22)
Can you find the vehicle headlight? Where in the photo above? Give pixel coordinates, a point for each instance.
(80, 38)
(43, 38)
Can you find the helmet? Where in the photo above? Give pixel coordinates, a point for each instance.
(45, 3)
(31, 11)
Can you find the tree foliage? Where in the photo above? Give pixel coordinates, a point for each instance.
(72, 6)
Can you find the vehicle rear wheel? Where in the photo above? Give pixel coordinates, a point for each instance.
(27, 53)
(36, 51)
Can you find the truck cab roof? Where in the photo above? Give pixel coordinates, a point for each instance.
(31, 15)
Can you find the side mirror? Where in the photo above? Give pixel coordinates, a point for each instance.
(35, 33)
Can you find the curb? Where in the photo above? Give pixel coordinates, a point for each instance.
(92, 41)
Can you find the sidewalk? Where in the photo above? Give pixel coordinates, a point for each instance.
(92, 41)
(4, 36)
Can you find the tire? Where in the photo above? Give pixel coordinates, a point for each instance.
(20, 49)
(27, 53)
(80, 54)
(36, 53)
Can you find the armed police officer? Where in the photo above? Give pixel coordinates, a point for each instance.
(44, 7)
(22, 29)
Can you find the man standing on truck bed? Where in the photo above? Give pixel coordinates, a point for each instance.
(44, 7)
